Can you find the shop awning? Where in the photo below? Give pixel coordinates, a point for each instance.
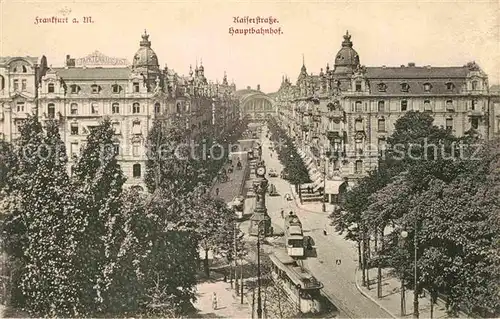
(333, 187)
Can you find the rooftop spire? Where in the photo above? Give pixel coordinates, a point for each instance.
(347, 40)
(145, 40)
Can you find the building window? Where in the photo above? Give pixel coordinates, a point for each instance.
(23, 85)
(51, 88)
(116, 88)
(73, 109)
(449, 105)
(382, 87)
(381, 125)
(157, 108)
(2, 82)
(20, 106)
(427, 87)
(474, 85)
(74, 149)
(116, 148)
(473, 106)
(16, 85)
(405, 87)
(336, 164)
(136, 128)
(358, 167)
(449, 124)
(178, 107)
(25, 69)
(115, 108)
(450, 86)
(95, 88)
(74, 128)
(136, 108)
(359, 106)
(427, 106)
(51, 110)
(74, 88)
(381, 106)
(136, 170)
(358, 86)
(475, 123)
(135, 149)
(136, 87)
(381, 145)
(117, 128)
(404, 105)
(94, 109)
(358, 124)
(359, 146)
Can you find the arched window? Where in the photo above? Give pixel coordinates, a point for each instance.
(136, 108)
(24, 69)
(51, 88)
(51, 110)
(157, 108)
(427, 87)
(178, 107)
(136, 170)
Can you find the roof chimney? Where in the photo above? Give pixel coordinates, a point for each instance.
(428, 66)
(411, 64)
(402, 65)
(248, 87)
(383, 66)
(258, 87)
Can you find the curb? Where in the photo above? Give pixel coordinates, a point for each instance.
(370, 297)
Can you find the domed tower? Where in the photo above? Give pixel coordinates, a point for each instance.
(146, 62)
(347, 59)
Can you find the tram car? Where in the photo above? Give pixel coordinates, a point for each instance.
(293, 236)
(300, 286)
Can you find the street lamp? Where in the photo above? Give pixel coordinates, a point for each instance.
(259, 298)
(323, 206)
(404, 234)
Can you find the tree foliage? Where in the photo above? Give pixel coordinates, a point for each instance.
(439, 189)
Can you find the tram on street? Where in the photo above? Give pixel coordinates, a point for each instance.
(301, 287)
(294, 238)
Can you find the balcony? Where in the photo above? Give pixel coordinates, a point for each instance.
(335, 134)
(477, 113)
(336, 114)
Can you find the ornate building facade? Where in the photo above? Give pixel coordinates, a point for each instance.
(342, 116)
(84, 91)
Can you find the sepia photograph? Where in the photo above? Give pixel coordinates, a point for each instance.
(250, 159)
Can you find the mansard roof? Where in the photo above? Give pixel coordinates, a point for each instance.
(414, 72)
(93, 73)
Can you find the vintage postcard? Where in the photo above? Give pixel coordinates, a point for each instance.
(250, 159)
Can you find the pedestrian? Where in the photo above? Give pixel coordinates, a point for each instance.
(324, 231)
(217, 191)
(282, 214)
(214, 301)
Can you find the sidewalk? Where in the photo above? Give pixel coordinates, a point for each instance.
(312, 207)
(228, 304)
(233, 187)
(391, 297)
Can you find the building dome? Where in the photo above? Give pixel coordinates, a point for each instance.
(347, 58)
(145, 57)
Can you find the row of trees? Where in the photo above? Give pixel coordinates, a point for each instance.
(81, 245)
(441, 192)
(294, 169)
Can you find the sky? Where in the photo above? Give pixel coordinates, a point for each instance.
(391, 33)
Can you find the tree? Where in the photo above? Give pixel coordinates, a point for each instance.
(41, 227)
(172, 163)
(99, 180)
(8, 162)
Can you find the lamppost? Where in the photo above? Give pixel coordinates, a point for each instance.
(323, 206)
(259, 297)
(404, 234)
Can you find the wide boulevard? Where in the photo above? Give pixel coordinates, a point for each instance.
(338, 277)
